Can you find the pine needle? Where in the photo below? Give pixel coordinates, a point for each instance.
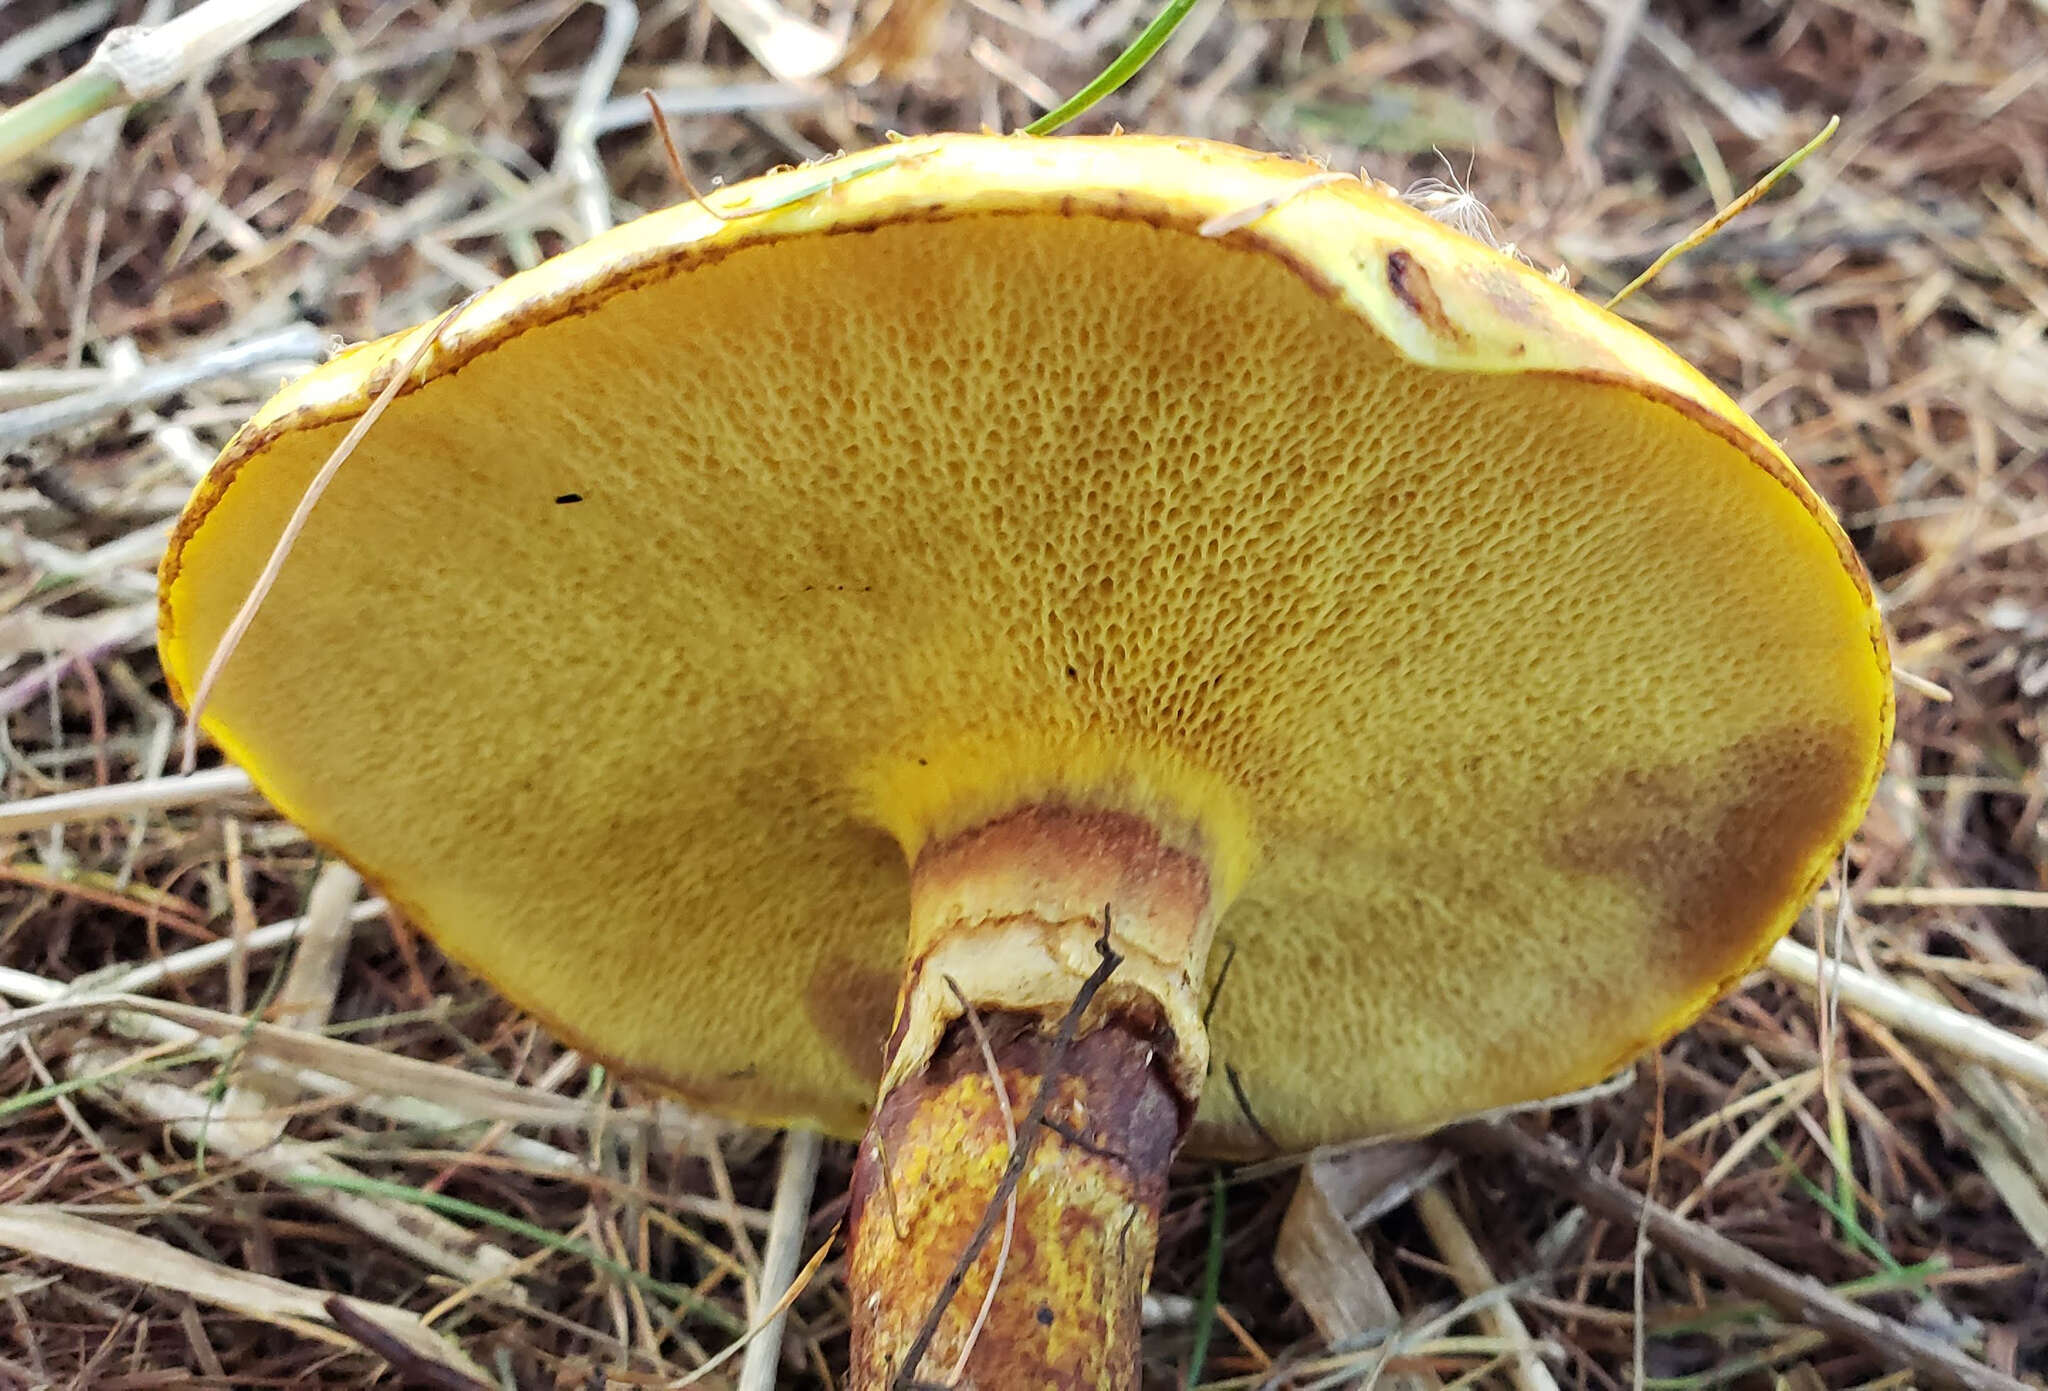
(1728, 214)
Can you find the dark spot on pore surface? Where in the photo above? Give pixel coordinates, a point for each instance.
(1045, 1315)
(1719, 848)
(851, 1005)
(565, 498)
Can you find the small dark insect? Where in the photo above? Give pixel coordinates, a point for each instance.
(568, 498)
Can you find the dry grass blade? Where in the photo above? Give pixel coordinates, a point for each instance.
(793, 49)
(1801, 1299)
(134, 65)
(300, 344)
(772, 1315)
(84, 1245)
(407, 1365)
(2008, 1137)
(193, 961)
(1474, 1278)
(306, 999)
(433, 1098)
(154, 794)
(794, 1183)
(1920, 685)
(1950, 897)
(577, 159)
(2009, 1174)
(1622, 22)
(430, 1240)
(39, 39)
(254, 1109)
(1899, 1007)
(352, 1064)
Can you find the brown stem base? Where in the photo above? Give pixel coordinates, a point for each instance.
(1065, 1311)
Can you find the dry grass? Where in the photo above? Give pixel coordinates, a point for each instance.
(185, 1192)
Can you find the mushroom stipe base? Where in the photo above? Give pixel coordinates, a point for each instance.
(1065, 1313)
(1071, 936)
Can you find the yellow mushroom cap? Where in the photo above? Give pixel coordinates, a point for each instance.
(1517, 688)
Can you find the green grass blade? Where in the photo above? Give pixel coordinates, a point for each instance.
(28, 126)
(1844, 1212)
(1122, 70)
(1212, 1281)
(29, 1100)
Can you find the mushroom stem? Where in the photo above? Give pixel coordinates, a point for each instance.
(1078, 1253)
(1048, 1053)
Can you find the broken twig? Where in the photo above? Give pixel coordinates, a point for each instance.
(1798, 1297)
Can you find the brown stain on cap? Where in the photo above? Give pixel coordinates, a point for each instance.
(1720, 851)
(851, 1006)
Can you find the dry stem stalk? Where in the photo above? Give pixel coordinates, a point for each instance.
(1474, 1278)
(793, 1186)
(81, 1244)
(428, 1238)
(136, 64)
(1948, 1028)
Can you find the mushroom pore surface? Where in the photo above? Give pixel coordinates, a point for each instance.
(1514, 713)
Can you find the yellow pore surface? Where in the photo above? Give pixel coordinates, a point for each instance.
(1511, 681)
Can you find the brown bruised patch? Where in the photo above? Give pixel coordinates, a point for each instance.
(1410, 284)
(851, 1006)
(1719, 854)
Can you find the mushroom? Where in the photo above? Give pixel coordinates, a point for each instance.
(1377, 684)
